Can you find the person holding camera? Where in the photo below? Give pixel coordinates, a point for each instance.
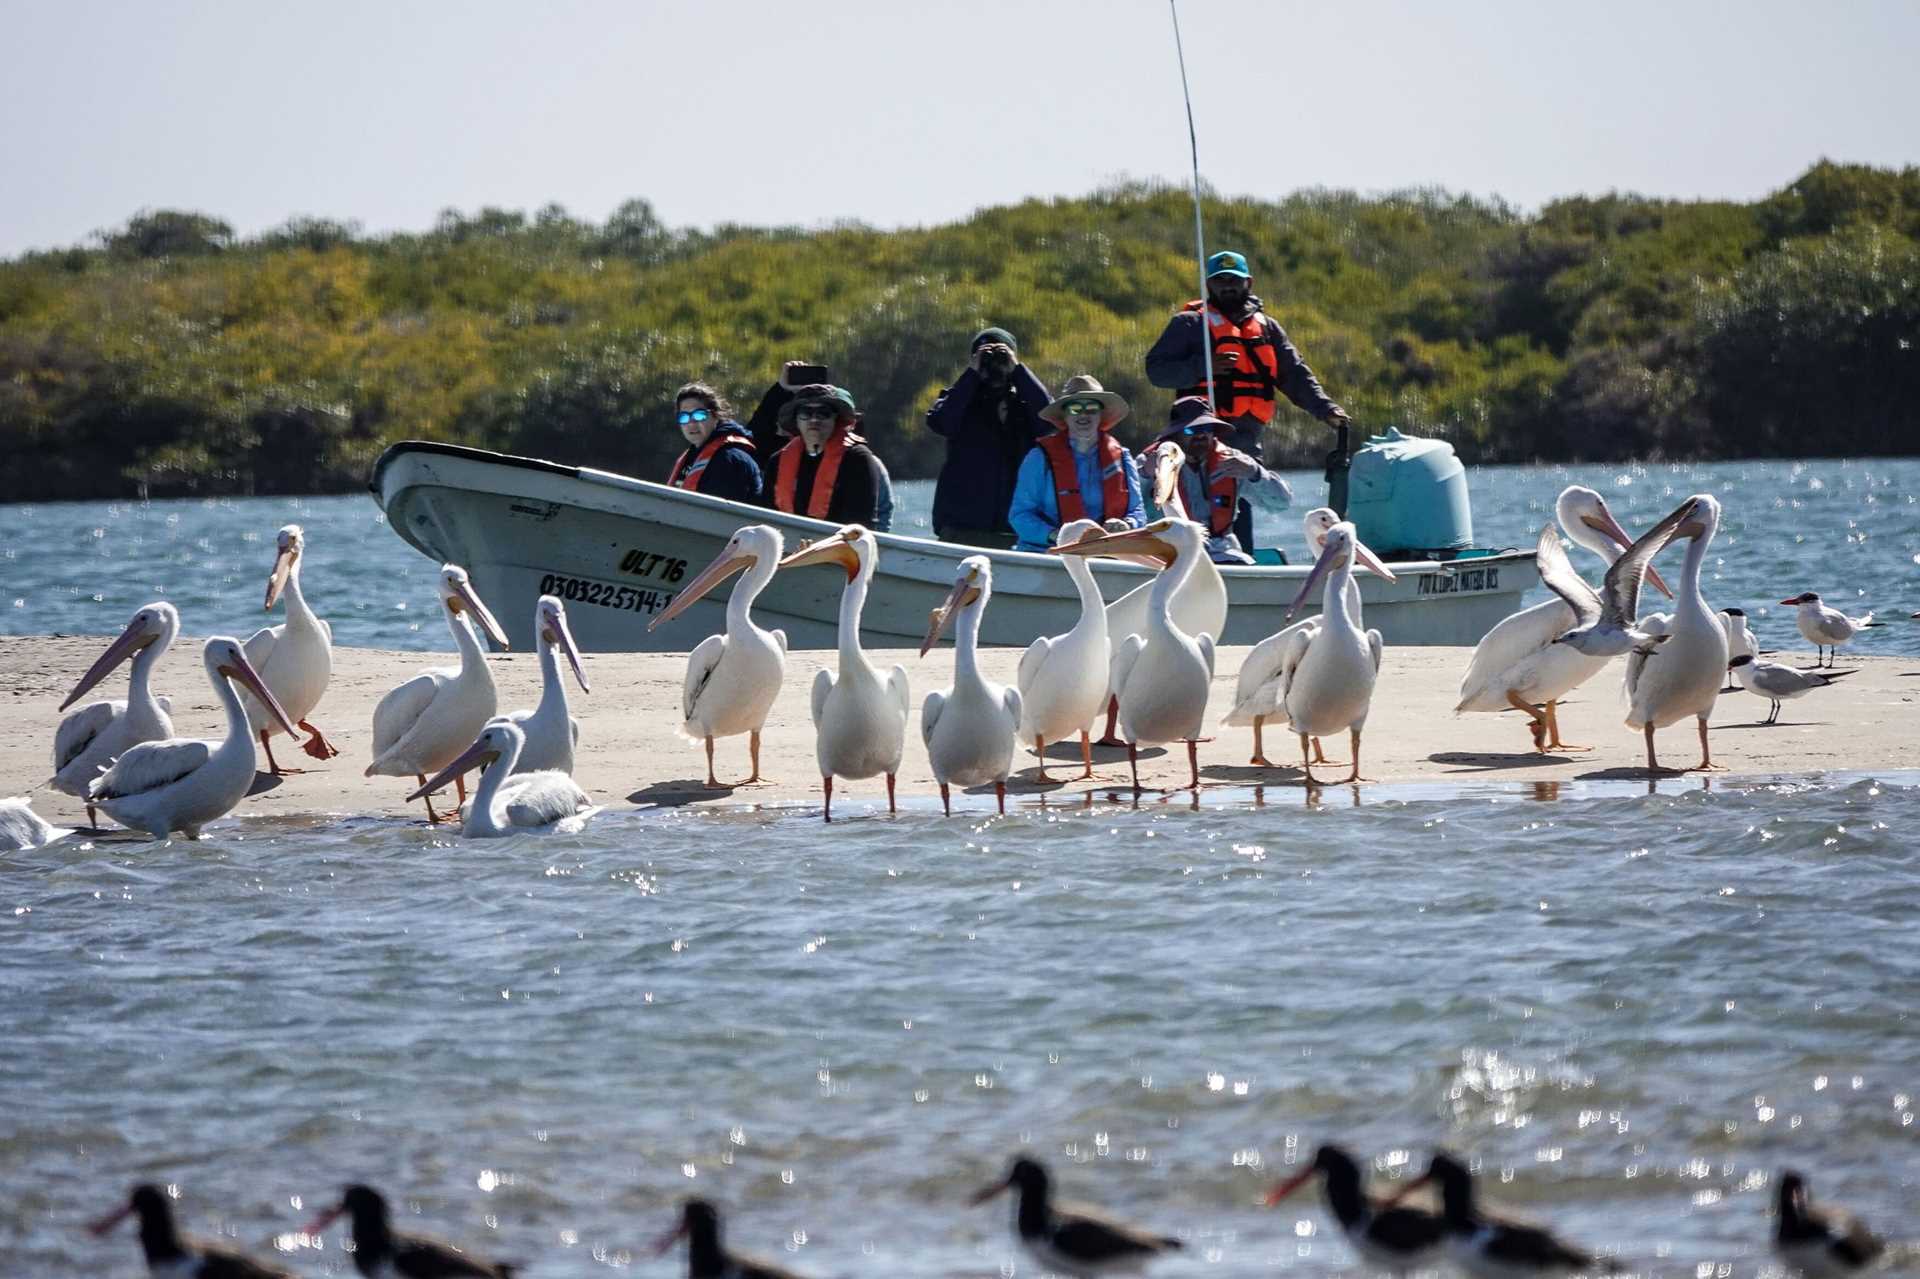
(1253, 364)
(1080, 472)
(826, 471)
(718, 459)
(990, 419)
(1218, 480)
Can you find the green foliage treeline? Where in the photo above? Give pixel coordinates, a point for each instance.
(172, 356)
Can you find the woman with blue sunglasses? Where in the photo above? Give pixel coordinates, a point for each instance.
(718, 459)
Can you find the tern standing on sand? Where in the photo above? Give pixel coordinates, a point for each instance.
(1826, 628)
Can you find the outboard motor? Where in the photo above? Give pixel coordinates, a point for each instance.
(1407, 497)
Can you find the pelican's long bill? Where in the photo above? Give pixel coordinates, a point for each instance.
(479, 754)
(464, 597)
(1145, 542)
(1334, 547)
(834, 549)
(553, 625)
(282, 568)
(711, 576)
(1167, 461)
(136, 637)
(1604, 524)
(241, 669)
(964, 592)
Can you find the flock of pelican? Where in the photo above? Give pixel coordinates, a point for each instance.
(1389, 1235)
(1146, 661)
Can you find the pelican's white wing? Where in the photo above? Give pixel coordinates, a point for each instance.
(780, 638)
(1206, 651)
(1257, 690)
(1655, 624)
(1125, 654)
(326, 628)
(402, 708)
(700, 667)
(897, 685)
(259, 645)
(930, 716)
(1010, 699)
(822, 689)
(543, 799)
(1290, 659)
(149, 766)
(77, 731)
(1512, 640)
(1031, 661)
(21, 828)
(1378, 646)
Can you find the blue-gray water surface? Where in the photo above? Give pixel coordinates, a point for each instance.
(1633, 1008)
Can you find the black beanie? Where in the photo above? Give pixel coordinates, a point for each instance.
(993, 335)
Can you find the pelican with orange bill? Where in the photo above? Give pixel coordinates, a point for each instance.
(551, 730)
(100, 732)
(295, 658)
(971, 726)
(1328, 670)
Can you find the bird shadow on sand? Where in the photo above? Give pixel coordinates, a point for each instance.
(1781, 723)
(1494, 761)
(677, 794)
(262, 783)
(1255, 774)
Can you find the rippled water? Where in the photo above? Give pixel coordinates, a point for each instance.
(1850, 530)
(1636, 1006)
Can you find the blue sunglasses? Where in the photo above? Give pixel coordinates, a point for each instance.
(698, 415)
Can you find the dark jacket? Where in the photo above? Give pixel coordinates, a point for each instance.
(764, 425)
(856, 491)
(732, 472)
(1179, 359)
(988, 430)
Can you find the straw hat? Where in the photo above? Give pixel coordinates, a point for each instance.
(1084, 386)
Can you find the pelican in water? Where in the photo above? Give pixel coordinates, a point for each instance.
(1163, 675)
(508, 802)
(1199, 605)
(1328, 670)
(21, 828)
(1826, 628)
(1258, 693)
(733, 678)
(295, 658)
(971, 727)
(180, 783)
(1681, 676)
(1517, 665)
(1063, 678)
(95, 735)
(859, 718)
(552, 733)
(421, 726)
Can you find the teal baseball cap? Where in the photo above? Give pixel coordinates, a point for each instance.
(1228, 263)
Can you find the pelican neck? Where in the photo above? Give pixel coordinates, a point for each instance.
(1696, 560)
(966, 642)
(853, 600)
(296, 600)
(140, 674)
(553, 684)
(746, 591)
(480, 811)
(1092, 604)
(239, 731)
(1171, 579)
(1334, 597)
(464, 639)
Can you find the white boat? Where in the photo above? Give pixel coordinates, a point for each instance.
(619, 549)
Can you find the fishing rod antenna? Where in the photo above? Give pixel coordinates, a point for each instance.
(1199, 234)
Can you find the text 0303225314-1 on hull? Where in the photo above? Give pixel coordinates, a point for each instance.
(619, 549)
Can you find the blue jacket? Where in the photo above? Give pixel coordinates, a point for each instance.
(988, 432)
(1035, 513)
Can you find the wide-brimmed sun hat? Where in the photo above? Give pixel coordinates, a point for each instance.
(1191, 414)
(818, 393)
(1084, 386)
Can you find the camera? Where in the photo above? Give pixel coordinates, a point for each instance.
(996, 360)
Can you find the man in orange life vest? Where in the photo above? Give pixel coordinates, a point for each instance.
(718, 459)
(1253, 362)
(1218, 480)
(1080, 472)
(826, 471)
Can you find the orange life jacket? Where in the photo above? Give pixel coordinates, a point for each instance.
(691, 465)
(1223, 498)
(1246, 369)
(1066, 477)
(787, 466)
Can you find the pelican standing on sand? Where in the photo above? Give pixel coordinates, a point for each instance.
(733, 678)
(508, 802)
(1258, 691)
(1329, 669)
(1826, 628)
(295, 659)
(1163, 675)
(1517, 665)
(182, 784)
(970, 727)
(95, 735)
(1682, 675)
(1063, 678)
(421, 726)
(551, 731)
(859, 719)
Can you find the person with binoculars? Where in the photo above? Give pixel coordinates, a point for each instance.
(990, 418)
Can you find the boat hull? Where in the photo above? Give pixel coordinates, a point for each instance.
(618, 549)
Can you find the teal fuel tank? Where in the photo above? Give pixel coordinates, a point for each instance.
(1407, 497)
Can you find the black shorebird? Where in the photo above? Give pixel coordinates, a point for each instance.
(379, 1252)
(1494, 1247)
(1819, 1241)
(168, 1253)
(1397, 1239)
(1072, 1241)
(707, 1257)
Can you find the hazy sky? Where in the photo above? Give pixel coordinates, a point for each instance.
(911, 111)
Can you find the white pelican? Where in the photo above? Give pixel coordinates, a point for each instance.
(860, 719)
(971, 727)
(424, 723)
(1681, 677)
(1739, 641)
(295, 659)
(1778, 682)
(551, 732)
(506, 802)
(1826, 628)
(733, 678)
(181, 783)
(21, 828)
(1328, 670)
(1162, 675)
(1608, 623)
(94, 736)
(1063, 678)
(1517, 665)
(1258, 692)
(1199, 605)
